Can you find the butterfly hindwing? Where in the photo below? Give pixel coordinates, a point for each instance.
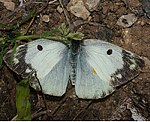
(102, 66)
(43, 60)
(88, 84)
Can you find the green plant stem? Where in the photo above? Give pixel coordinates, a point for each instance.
(29, 37)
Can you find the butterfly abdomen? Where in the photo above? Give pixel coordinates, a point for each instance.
(75, 47)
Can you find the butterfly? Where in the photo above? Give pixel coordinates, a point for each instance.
(95, 67)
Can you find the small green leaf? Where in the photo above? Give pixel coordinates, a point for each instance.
(63, 29)
(49, 33)
(66, 33)
(22, 100)
(75, 36)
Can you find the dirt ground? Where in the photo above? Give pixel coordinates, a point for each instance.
(129, 102)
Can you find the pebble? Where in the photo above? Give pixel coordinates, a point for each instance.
(127, 20)
(77, 8)
(9, 5)
(45, 18)
(91, 5)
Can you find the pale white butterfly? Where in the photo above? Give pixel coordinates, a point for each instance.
(95, 67)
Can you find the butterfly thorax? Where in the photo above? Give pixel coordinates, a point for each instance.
(75, 47)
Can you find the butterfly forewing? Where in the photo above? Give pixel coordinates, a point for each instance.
(43, 60)
(102, 66)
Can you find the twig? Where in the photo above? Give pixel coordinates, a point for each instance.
(14, 118)
(31, 22)
(57, 108)
(90, 102)
(40, 113)
(34, 17)
(51, 2)
(71, 26)
(61, 102)
(43, 96)
(34, 115)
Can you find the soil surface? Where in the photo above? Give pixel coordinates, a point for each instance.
(129, 102)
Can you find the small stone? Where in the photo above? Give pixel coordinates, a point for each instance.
(59, 9)
(133, 3)
(91, 5)
(45, 18)
(77, 8)
(127, 20)
(9, 5)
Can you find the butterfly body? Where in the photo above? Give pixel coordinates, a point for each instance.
(95, 67)
(74, 55)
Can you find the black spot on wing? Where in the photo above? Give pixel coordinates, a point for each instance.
(109, 51)
(131, 67)
(39, 47)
